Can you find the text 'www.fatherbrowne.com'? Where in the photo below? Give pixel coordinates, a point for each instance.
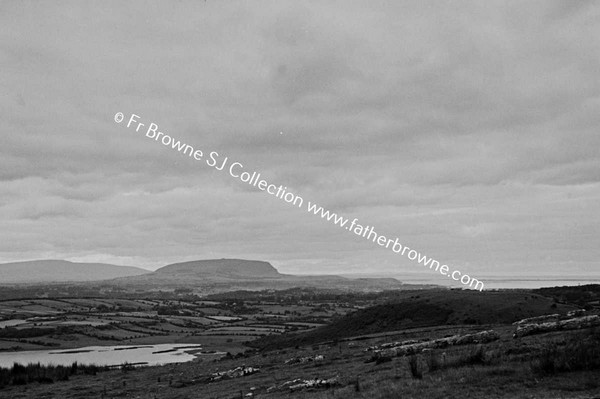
(236, 170)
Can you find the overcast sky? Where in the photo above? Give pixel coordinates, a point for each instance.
(469, 130)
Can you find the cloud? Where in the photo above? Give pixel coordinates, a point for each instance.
(465, 129)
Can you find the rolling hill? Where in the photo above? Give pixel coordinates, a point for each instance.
(49, 271)
(426, 309)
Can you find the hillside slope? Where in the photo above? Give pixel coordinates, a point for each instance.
(426, 309)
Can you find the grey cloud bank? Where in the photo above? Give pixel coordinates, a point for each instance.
(469, 130)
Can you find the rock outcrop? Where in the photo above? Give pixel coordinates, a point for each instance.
(413, 348)
(558, 325)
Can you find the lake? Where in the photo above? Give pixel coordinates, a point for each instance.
(150, 355)
(11, 323)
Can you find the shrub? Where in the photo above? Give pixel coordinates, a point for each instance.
(19, 374)
(415, 367)
(582, 353)
(383, 359)
(433, 362)
(476, 356)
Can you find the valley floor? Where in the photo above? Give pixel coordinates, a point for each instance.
(340, 359)
(506, 368)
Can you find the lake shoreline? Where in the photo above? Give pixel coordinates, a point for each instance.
(111, 356)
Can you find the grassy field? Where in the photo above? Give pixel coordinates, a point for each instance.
(559, 365)
(294, 347)
(39, 323)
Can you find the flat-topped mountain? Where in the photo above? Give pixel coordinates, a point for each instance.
(221, 275)
(206, 276)
(227, 268)
(48, 271)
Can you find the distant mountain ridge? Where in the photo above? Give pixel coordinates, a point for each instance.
(206, 276)
(227, 268)
(51, 270)
(222, 275)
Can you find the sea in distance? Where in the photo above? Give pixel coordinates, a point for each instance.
(491, 281)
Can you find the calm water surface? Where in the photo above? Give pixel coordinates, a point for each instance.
(105, 355)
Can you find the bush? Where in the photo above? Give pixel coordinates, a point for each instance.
(582, 353)
(35, 372)
(415, 367)
(433, 362)
(476, 356)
